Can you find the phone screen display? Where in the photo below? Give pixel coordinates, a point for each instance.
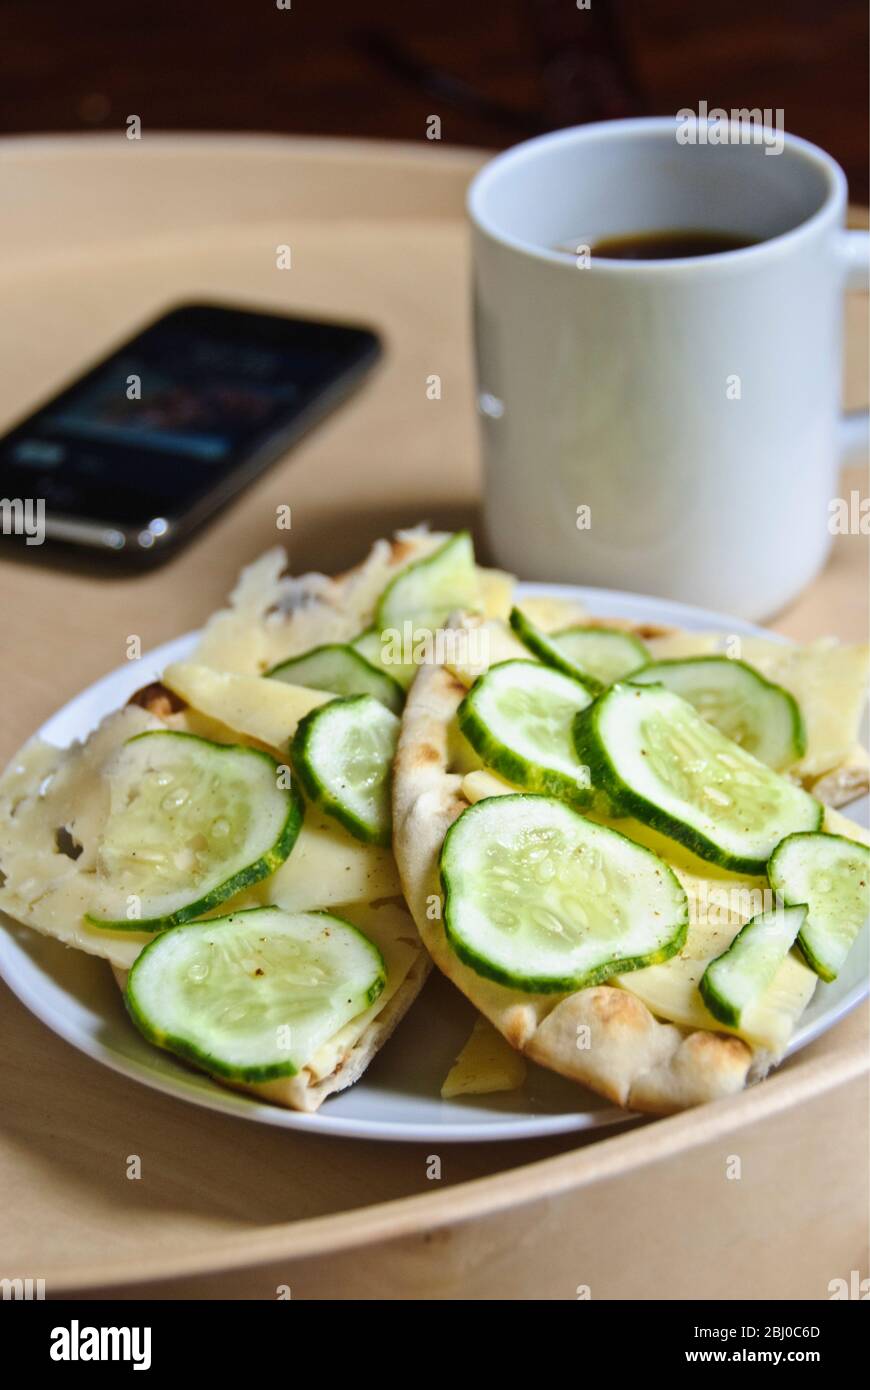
(162, 422)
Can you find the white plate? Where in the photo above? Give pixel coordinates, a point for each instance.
(398, 1098)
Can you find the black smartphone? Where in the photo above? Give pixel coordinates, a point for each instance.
(146, 444)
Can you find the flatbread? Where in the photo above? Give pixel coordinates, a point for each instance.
(273, 616)
(343, 1059)
(53, 802)
(632, 1058)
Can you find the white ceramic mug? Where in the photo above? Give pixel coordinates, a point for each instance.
(673, 426)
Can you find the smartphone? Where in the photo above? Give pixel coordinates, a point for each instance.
(138, 451)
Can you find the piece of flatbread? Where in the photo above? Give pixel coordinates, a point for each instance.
(53, 802)
(341, 1061)
(633, 1059)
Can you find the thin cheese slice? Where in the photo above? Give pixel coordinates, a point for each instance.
(829, 682)
(479, 645)
(487, 1063)
(479, 784)
(326, 866)
(263, 709)
(552, 614)
(496, 592)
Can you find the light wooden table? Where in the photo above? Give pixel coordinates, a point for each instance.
(102, 235)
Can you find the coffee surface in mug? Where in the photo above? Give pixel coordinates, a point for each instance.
(668, 245)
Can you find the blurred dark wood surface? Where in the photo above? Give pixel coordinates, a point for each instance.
(494, 71)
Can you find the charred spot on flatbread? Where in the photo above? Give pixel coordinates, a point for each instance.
(158, 700)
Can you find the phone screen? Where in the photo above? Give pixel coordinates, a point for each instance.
(177, 415)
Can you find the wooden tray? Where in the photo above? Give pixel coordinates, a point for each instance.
(99, 234)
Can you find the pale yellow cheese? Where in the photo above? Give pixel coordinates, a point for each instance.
(478, 646)
(496, 592)
(477, 785)
(487, 1063)
(326, 866)
(263, 709)
(829, 682)
(675, 645)
(553, 614)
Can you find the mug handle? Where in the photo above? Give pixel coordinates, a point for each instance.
(854, 255)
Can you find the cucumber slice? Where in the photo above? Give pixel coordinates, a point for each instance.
(741, 974)
(379, 654)
(830, 874)
(542, 900)
(427, 592)
(252, 996)
(546, 649)
(518, 718)
(603, 654)
(658, 760)
(760, 716)
(341, 670)
(343, 755)
(190, 823)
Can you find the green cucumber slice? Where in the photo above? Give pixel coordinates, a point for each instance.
(518, 718)
(543, 900)
(190, 823)
(742, 973)
(546, 649)
(830, 874)
(343, 755)
(341, 670)
(754, 712)
(428, 591)
(381, 655)
(602, 654)
(252, 996)
(656, 759)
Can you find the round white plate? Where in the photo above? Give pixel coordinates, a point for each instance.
(398, 1098)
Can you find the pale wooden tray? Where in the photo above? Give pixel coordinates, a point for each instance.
(98, 235)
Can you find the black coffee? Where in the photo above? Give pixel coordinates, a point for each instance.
(667, 246)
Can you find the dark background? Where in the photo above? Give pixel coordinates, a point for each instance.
(495, 71)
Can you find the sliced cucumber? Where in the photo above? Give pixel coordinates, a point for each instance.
(603, 654)
(343, 756)
(658, 760)
(427, 592)
(741, 974)
(760, 716)
(830, 874)
(542, 900)
(546, 649)
(190, 823)
(518, 718)
(253, 995)
(382, 655)
(341, 670)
